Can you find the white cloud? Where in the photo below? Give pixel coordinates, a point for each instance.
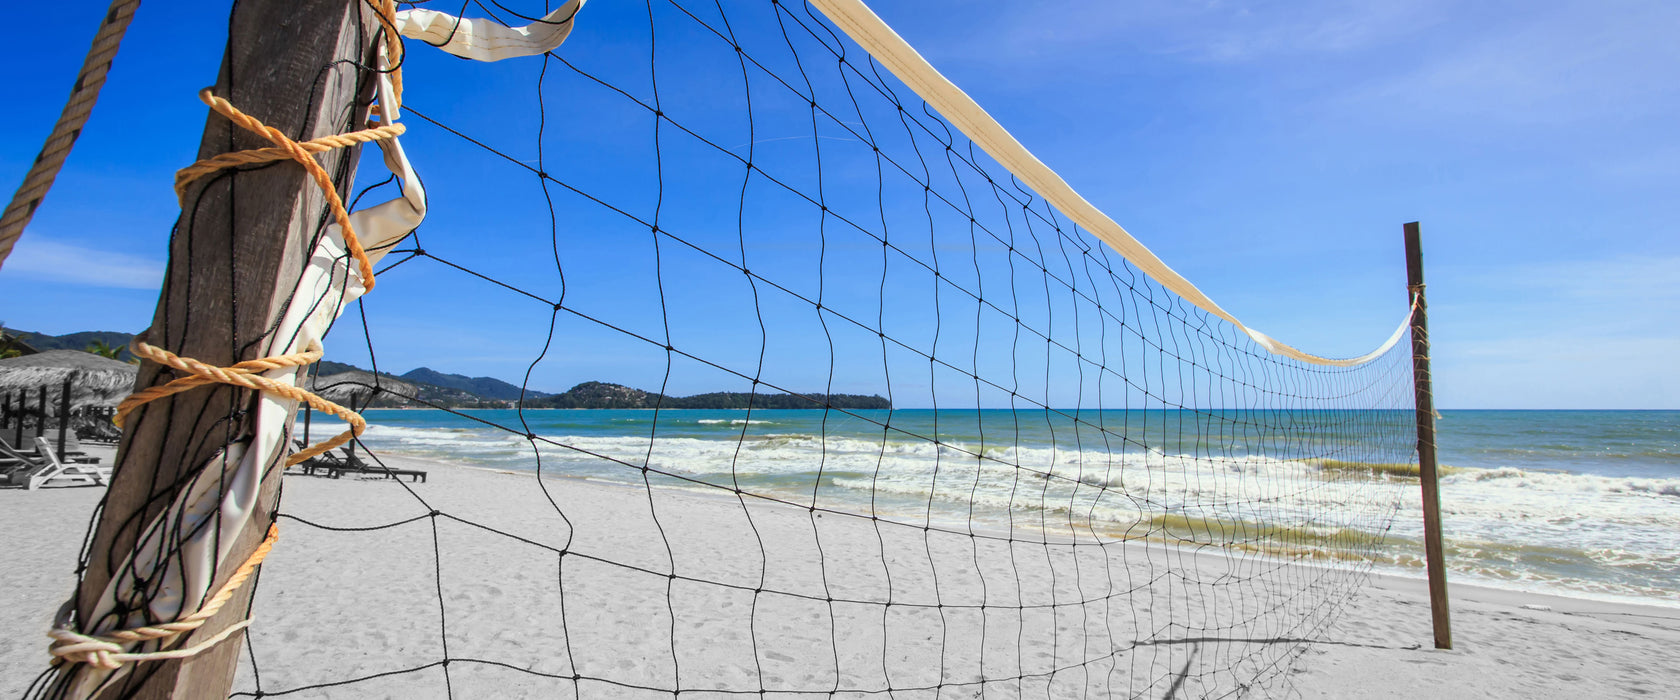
(38, 258)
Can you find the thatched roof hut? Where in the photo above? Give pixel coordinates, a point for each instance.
(99, 381)
(353, 388)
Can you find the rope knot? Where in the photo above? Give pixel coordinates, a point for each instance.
(107, 651)
(73, 648)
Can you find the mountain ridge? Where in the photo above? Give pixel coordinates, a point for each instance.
(75, 341)
(460, 391)
(487, 387)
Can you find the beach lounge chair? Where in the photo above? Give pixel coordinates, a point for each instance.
(73, 450)
(354, 464)
(334, 465)
(49, 469)
(324, 463)
(12, 460)
(72, 447)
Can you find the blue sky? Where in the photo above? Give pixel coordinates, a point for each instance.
(1269, 151)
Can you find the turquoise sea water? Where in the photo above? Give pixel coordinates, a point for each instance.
(1572, 502)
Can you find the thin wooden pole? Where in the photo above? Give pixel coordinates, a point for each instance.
(64, 414)
(235, 256)
(1432, 545)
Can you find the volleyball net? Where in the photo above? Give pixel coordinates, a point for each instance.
(888, 410)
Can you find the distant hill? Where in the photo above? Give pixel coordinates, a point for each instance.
(460, 391)
(604, 395)
(487, 387)
(429, 393)
(75, 341)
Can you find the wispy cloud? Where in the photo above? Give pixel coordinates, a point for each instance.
(38, 258)
(1582, 334)
(1559, 370)
(1247, 31)
(1544, 64)
(1638, 291)
(1421, 60)
(1216, 31)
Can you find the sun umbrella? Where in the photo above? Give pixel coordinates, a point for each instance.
(95, 380)
(355, 387)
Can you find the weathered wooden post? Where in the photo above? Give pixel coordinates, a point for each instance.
(64, 414)
(40, 413)
(243, 239)
(1432, 545)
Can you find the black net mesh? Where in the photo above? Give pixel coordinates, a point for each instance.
(971, 451)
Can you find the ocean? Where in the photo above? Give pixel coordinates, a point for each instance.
(1581, 503)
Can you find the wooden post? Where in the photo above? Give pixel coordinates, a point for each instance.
(40, 414)
(64, 415)
(1432, 545)
(235, 256)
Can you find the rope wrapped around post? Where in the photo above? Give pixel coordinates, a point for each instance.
(109, 650)
(245, 374)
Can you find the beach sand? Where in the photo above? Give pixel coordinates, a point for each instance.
(785, 598)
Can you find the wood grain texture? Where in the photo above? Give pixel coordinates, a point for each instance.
(235, 255)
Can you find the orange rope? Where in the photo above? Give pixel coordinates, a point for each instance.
(245, 374)
(296, 152)
(187, 175)
(107, 650)
(83, 96)
(387, 13)
(248, 374)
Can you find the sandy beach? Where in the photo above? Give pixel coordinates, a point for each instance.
(787, 599)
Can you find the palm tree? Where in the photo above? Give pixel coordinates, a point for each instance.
(7, 350)
(103, 349)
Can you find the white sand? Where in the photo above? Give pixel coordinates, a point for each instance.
(336, 606)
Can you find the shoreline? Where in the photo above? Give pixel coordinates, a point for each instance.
(1455, 580)
(1388, 568)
